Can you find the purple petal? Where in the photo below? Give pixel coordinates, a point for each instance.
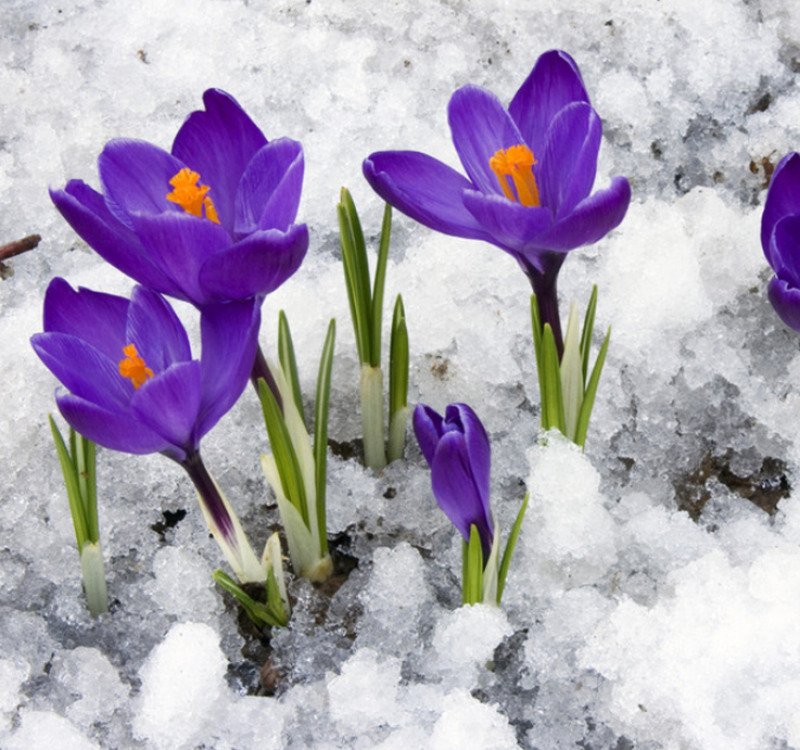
(785, 250)
(258, 264)
(135, 177)
(269, 191)
(786, 301)
(480, 126)
(98, 319)
(219, 143)
(425, 189)
(87, 213)
(554, 82)
(511, 226)
(455, 489)
(478, 449)
(156, 331)
(230, 337)
(115, 430)
(591, 220)
(783, 199)
(84, 370)
(568, 164)
(428, 429)
(169, 403)
(181, 243)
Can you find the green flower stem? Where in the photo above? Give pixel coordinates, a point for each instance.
(371, 387)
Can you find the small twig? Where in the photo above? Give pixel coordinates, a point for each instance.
(19, 246)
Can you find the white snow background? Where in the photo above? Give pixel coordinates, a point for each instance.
(625, 623)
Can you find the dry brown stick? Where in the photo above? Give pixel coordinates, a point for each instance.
(19, 246)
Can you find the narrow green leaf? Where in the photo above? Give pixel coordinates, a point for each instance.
(289, 362)
(285, 457)
(398, 359)
(274, 601)
(76, 505)
(552, 379)
(588, 329)
(261, 614)
(376, 324)
(473, 593)
(591, 392)
(88, 472)
(321, 431)
(509, 550)
(360, 303)
(536, 326)
(356, 267)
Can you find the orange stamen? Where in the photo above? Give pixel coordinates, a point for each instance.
(190, 196)
(133, 367)
(517, 163)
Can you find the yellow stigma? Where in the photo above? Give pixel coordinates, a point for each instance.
(517, 163)
(190, 196)
(133, 367)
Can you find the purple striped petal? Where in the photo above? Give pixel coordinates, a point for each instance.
(115, 430)
(257, 265)
(269, 191)
(99, 319)
(455, 490)
(84, 370)
(155, 330)
(135, 177)
(568, 164)
(87, 213)
(464, 420)
(181, 243)
(480, 126)
(591, 220)
(230, 337)
(554, 82)
(425, 189)
(428, 429)
(219, 143)
(510, 224)
(169, 403)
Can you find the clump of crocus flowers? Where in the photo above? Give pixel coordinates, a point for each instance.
(213, 222)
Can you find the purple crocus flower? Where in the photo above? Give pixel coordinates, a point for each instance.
(211, 221)
(530, 172)
(780, 239)
(131, 383)
(457, 450)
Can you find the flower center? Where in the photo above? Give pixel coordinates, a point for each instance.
(133, 367)
(517, 163)
(190, 196)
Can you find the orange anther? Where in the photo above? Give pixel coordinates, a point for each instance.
(517, 163)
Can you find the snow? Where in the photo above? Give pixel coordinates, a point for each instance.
(650, 603)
